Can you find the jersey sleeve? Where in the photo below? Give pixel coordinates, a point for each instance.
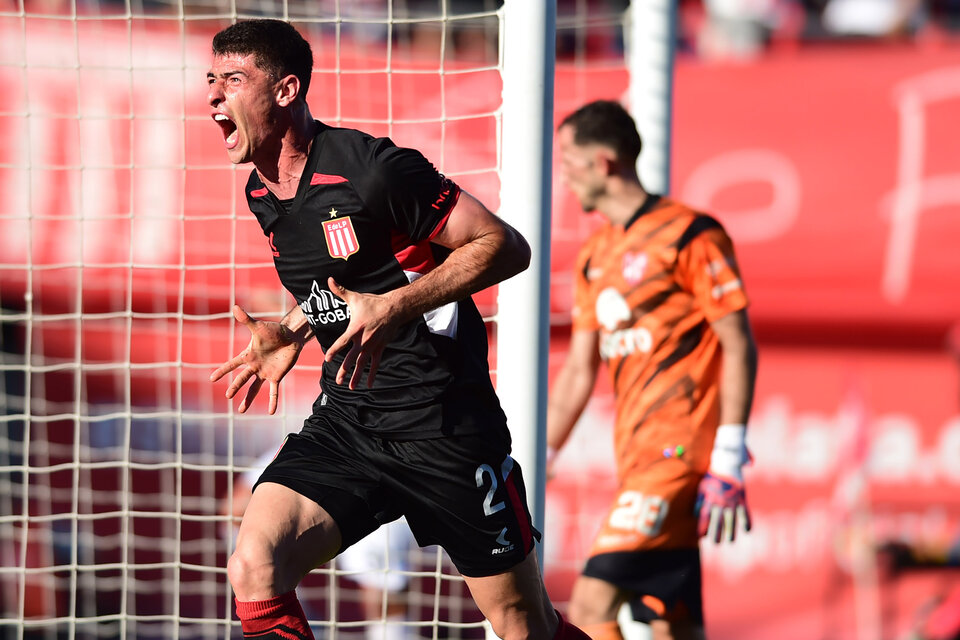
(584, 298)
(415, 198)
(707, 267)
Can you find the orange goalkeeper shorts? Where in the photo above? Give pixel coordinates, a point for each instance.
(653, 509)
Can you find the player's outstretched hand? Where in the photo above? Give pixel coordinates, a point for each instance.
(721, 508)
(271, 353)
(373, 323)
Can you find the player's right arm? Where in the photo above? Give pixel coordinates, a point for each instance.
(272, 351)
(485, 250)
(571, 388)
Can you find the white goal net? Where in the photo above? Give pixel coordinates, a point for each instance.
(124, 242)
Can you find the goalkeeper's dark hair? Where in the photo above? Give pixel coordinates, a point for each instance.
(278, 48)
(606, 122)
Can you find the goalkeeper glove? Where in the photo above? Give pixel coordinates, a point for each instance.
(721, 500)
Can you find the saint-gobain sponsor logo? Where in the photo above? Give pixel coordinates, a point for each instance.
(322, 307)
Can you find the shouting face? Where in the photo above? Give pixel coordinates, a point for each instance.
(243, 101)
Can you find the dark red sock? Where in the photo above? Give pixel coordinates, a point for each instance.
(278, 618)
(567, 631)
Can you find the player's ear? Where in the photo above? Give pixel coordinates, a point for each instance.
(608, 162)
(287, 90)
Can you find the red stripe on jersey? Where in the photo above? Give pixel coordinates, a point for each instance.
(326, 178)
(259, 193)
(519, 509)
(416, 257)
(443, 222)
(451, 193)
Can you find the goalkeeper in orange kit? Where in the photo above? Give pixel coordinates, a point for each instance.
(658, 298)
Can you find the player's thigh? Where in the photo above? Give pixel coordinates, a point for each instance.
(594, 601)
(660, 584)
(294, 532)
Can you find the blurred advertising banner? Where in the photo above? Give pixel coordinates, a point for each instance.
(836, 172)
(839, 177)
(853, 449)
(835, 169)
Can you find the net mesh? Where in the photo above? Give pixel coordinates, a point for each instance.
(126, 243)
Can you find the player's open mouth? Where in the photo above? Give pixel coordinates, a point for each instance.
(229, 129)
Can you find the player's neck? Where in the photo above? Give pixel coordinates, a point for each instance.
(622, 200)
(282, 173)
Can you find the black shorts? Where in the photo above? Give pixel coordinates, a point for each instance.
(464, 493)
(671, 576)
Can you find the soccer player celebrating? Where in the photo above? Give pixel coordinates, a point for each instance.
(658, 297)
(381, 253)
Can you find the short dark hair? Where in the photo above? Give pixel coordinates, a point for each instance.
(606, 122)
(278, 48)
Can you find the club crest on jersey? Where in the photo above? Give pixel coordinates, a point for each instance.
(341, 238)
(634, 264)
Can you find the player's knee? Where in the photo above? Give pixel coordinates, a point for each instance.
(509, 630)
(516, 621)
(251, 572)
(582, 612)
(593, 602)
(683, 629)
(577, 614)
(585, 612)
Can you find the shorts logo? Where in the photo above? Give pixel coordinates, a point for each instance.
(505, 545)
(341, 238)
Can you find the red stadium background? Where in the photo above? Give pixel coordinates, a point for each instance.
(834, 168)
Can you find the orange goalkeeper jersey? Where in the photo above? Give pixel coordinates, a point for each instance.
(651, 290)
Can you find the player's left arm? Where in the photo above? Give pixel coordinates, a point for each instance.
(712, 274)
(739, 373)
(485, 251)
(721, 498)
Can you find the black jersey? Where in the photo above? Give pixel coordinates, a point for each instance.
(364, 213)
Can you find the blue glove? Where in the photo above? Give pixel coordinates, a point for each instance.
(721, 500)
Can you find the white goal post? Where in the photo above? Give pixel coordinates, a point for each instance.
(523, 313)
(525, 183)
